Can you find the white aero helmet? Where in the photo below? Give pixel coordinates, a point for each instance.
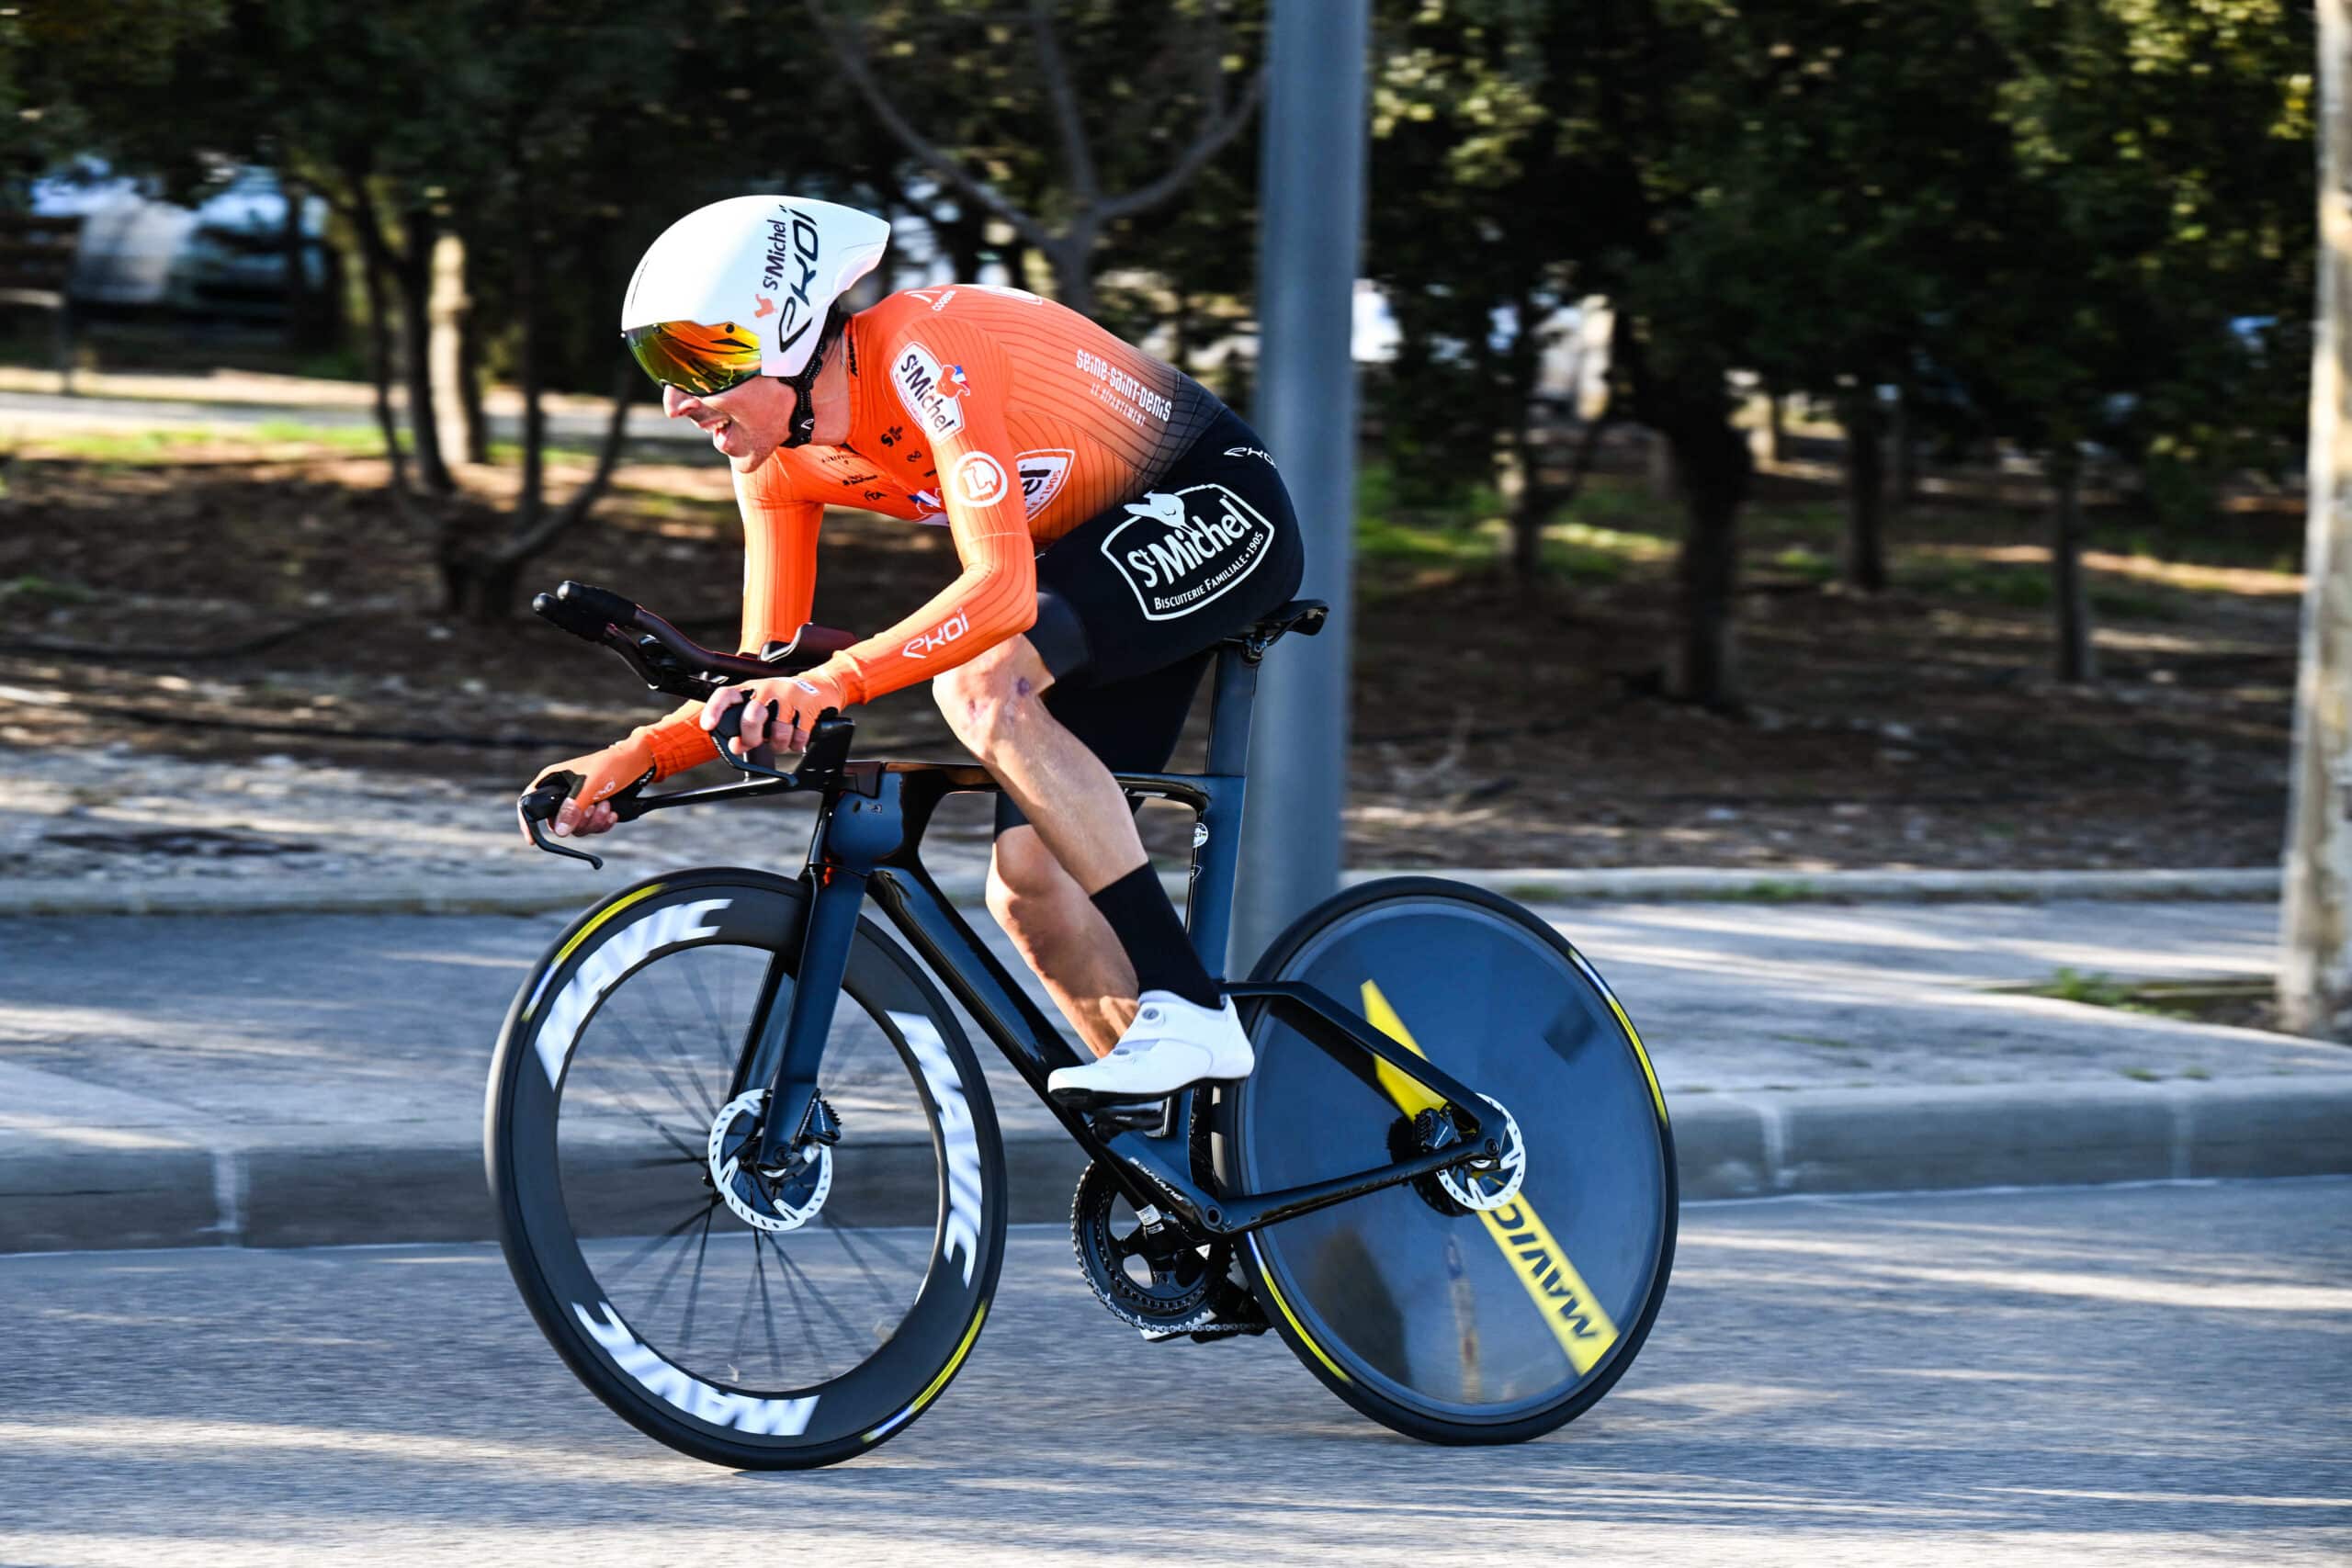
(746, 288)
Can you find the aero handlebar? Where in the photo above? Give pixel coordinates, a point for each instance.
(668, 661)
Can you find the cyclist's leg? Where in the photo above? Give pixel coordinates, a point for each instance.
(996, 704)
(1147, 588)
(1129, 727)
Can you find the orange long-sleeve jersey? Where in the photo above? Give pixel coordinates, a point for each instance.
(1010, 418)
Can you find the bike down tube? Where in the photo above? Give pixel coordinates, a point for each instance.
(948, 948)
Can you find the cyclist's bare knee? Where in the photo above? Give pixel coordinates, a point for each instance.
(990, 701)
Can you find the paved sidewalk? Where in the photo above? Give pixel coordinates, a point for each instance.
(276, 1080)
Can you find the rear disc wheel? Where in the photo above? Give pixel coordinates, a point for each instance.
(1486, 1321)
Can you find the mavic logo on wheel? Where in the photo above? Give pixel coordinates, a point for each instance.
(965, 1191)
(629, 947)
(1578, 1322)
(744, 1412)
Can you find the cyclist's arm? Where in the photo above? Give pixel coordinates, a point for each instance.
(995, 597)
(779, 592)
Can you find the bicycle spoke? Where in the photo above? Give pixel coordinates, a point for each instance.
(864, 1268)
(848, 1334)
(628, 1103)
(677, 1045)
(874, 1238)
(801, 1315)
(654, 1069)
(694, 1290)
(669, 1275)
(767, 1307)
(702, 994)
(642, 1253)
(735, 1355)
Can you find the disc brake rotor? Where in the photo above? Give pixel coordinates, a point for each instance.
(778, 1199)
(1485, 1185)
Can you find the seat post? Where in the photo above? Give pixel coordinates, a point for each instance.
(1230, 702)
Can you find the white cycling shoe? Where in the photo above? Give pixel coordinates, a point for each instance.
(1172, 1042)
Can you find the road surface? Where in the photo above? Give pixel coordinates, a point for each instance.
(2106, 1375)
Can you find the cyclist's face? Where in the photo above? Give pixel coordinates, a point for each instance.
(747, 422)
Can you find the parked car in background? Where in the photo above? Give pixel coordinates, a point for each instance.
(224, 259)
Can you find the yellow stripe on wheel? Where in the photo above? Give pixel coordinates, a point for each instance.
(1566, 1305)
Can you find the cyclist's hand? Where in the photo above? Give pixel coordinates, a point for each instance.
(779, 712)
(606, 772)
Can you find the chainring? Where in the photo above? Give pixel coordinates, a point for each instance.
(1156, 1282)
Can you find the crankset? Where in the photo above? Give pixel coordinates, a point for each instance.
(1156, 1276)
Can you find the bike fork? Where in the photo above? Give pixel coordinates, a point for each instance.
(785, 1046)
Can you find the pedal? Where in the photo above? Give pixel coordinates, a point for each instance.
(1149, 1116)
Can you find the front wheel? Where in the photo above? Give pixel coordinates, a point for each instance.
(758, 1319)
(1487, 1320)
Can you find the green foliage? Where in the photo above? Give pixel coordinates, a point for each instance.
(2092, 990)
(31, 591)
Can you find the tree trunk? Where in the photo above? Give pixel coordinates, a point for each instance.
(302, 309)
(1711, 469)
(414, 271)
(1530, 510)
(478, 578)
(2315, 950)
(1663, 484)
(1906, 493)
(1073, 262)
(470, 390)
(457, 404)
(373, 264)
(1864, 560)
(2069, 593)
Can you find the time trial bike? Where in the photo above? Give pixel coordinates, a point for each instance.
(750, 1180)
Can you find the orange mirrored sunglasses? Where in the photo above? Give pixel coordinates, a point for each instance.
(696, 359)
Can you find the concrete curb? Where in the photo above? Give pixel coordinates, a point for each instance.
(538, 892)
(59, 1193)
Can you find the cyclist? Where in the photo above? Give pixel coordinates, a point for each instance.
(1114, 520)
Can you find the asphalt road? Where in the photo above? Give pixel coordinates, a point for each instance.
(2153, 1374)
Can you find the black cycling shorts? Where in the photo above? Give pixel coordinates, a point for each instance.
(1131, 604)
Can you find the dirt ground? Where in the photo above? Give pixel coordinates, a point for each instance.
(1916, 728)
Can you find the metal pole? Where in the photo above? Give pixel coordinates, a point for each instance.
(1311, 224)
(2315, 917)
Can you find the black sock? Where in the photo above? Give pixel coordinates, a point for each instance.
(1143, 920)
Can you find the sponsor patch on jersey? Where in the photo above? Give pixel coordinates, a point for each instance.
(1042, 474)
(1181, 550)
(980, 479)
(934, 394)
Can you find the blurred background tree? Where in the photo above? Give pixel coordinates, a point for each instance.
(2076, 227)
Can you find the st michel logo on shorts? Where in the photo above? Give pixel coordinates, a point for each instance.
(1179, 550)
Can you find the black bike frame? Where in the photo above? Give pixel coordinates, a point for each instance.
(869, 832)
